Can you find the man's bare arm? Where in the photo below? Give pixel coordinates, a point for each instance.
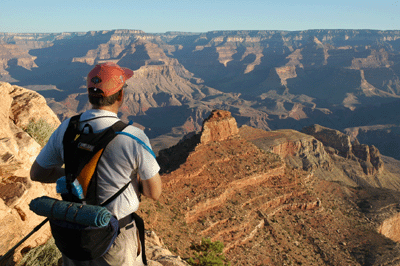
(44, 175)
(152, 187)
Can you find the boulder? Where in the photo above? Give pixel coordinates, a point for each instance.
(29, 105)
(157, 255)
(17, 153)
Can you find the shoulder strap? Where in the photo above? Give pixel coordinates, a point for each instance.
(139, 141)
(72, 127)
(109, 135)
(69, 136)
(113, 197)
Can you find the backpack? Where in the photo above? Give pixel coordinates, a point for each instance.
(82, 152)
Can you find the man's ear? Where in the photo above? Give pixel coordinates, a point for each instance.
(121, 95)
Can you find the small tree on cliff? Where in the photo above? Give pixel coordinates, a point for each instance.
(208, 253)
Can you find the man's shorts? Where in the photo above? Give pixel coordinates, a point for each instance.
(123, 252)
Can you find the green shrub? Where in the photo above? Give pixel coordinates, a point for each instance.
(40, 131)
(45, 255)
(208, 253)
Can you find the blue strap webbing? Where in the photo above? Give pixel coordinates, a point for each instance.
(138, 140)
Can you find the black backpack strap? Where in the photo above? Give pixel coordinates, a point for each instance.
(69, 136)
(113, 197)
(72, 128)
(140, 226)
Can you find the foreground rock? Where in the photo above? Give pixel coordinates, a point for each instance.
(17, 153)
(158, 255)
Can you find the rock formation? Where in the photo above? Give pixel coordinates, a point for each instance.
(28, 106)
(384, 135)
(262, 193)
(219, 126)
(331, 138)
(368, 156)
(158, 255)
(11, 55)
(17, 153)
(390, 228)
(300, 150)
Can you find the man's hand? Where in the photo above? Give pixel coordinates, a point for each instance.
(44, 175)
(152, 187)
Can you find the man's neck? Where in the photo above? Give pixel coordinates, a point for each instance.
(114, 107)
(111, 108)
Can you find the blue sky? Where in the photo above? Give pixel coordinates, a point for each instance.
(157, 16)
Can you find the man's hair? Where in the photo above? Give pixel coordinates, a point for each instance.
(96, 99)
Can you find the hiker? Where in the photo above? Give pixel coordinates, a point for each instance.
(126, 161)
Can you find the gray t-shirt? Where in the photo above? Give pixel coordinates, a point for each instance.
(120, 163)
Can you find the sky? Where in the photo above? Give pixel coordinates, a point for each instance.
(159, 16)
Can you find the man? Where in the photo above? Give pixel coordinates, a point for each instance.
(123, 159)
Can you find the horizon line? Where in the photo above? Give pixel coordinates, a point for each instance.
(200, 32)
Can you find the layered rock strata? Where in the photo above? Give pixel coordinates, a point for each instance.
(227, 189)
(239, 189)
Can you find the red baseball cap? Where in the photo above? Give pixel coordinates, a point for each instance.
(108, 77)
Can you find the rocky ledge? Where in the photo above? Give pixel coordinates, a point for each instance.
(367, 156)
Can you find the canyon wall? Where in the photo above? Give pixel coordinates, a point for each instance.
(368, 156)
(266, 79)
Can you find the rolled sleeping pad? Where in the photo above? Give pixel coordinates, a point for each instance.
(89, 215)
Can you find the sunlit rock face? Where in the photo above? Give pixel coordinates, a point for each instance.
(391, 228)
(219, 126)
(17, 153)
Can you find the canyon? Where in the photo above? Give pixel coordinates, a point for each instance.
(282, 145)
(316, 197)
(278, 197)
(342, 79)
